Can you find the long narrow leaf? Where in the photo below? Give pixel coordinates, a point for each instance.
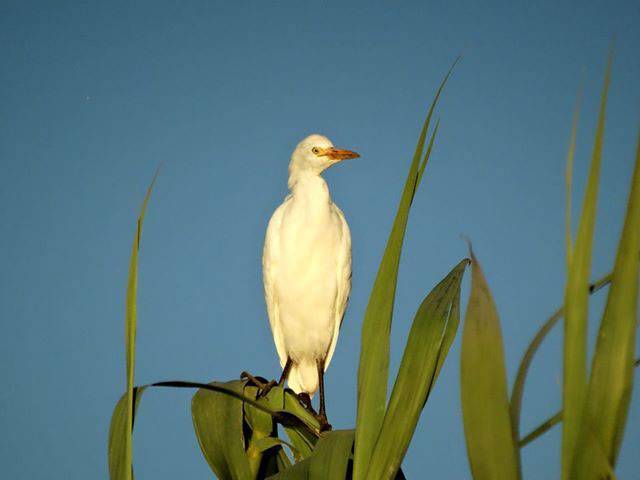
(485, 405)
(434, 328)
(576, 301)
(517, 391)
(611, 379)
(569, 178)
(373, 370)
(549, 423)
(122, 469)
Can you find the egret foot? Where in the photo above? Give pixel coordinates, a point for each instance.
(305, 400)
(261, 383)
(325, 426)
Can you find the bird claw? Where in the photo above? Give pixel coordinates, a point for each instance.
(305, 400)
(264, 391)
(325, 426)
(261, 383)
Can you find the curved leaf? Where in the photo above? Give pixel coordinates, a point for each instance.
(611, 382)
(121, 467)
(517, 391)
(217, 420)
(485, 404)
(373, 370)
(433, 330)
(118, 431)
(331, 455)
(576, 301)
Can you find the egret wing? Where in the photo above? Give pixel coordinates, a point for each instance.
(343, 271)
(270, 260)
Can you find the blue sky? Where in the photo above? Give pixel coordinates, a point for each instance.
(95, 95)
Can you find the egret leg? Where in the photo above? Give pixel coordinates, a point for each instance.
(263, 385)
(285, 372)
(305, 400)
(322, 413)
(255, 381)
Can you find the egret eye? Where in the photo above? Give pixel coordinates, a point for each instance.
(315, 150)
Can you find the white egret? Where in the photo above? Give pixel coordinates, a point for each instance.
(307, 269)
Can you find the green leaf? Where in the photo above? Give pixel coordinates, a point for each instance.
(433, 330)
(517, 391)
(373, 370)
(303, 442)
(576, 301)
(122, 467)
(331, 455)
(218, 423)
(329, 460)
(118, 431)
(569, 178)
(299, 471)
(611, 381)
(485, 406)
(549, 423)
(541, 429)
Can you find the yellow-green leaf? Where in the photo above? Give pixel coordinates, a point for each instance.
(569, 179)
(485, 405)
(123, 469)
(517, 391)
(217, 420)
(433, 330)
(611, 379)
(576, 303)
(118, 431)
(330, 457)
(373, 370)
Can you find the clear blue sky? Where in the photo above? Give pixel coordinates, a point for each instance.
(95, 95)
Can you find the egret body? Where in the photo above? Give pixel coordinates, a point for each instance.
(307, 268)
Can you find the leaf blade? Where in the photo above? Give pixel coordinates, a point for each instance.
(123, 469)
(218, 424)
(576, 300)
(374, 351)
(117, 431)
(611, 381)
(432, 332)
(485, 405)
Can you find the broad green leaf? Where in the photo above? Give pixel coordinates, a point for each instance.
(303, 437)
(265, 443)
(433, 330)
(298, 471)
(611, 381)
(287, 412)
(218, 423)
(373, 370)
(122, 468)
(576, 301)
(261, 425)
(275, 460)
(331, 455)
(485, 405)
(118, 431)
(303, 442)
(329, 459)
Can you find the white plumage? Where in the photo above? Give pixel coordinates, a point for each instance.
(307, 266)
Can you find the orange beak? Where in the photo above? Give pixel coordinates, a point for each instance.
(338, 154)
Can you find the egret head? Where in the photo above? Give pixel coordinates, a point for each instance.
(315, 154)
